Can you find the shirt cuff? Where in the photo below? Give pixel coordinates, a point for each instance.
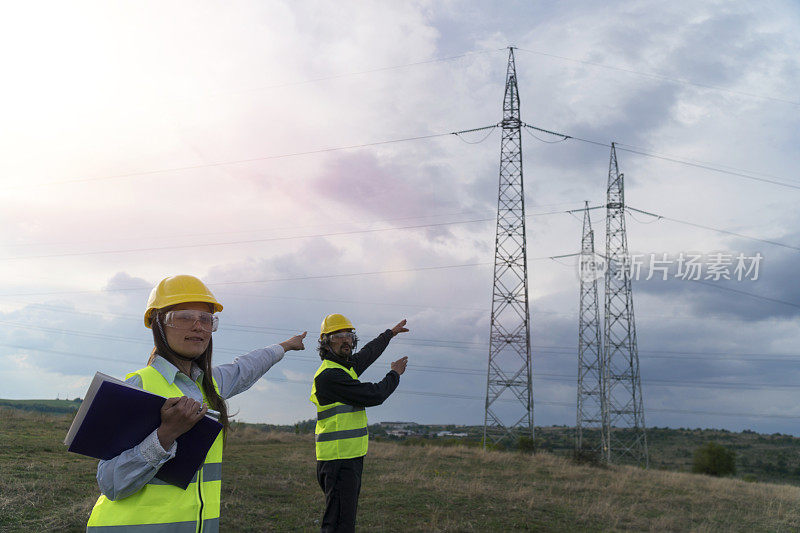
(153, 452)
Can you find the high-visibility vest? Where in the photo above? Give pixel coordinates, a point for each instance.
(341, 431)
(159, 507)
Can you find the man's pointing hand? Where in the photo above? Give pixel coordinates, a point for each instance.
(399, 366)
(400, 327)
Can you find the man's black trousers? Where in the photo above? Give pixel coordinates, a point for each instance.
(340, 480)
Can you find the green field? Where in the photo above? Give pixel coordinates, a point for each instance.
(43, 406)
(269, 485)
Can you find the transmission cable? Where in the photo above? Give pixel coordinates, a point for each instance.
(564, 138)
(433, 343)
(745, 293)
(460, 133)
(774, 243)
(273, 280)
(481, 346)
(268, 378)
(662, 77)
(621, 147)
(266, 239)
(239, 161)
(369, 71)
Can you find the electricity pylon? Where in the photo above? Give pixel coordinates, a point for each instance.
(509, 388)
(623, 417)
(591, 399)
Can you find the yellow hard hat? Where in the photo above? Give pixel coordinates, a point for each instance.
(178, 290)
(334, 322)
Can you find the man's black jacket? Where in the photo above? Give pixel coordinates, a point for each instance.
(336, 385)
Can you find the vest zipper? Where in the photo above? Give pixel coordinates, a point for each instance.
(200, 478)
(200, 495)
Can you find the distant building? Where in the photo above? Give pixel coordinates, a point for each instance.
(401, 432)
(450, 434)
(389, 426)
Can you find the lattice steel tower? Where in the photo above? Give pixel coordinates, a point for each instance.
(509, 373)
(624, 410)
(591, 399)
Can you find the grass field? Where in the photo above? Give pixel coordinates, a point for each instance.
(269, 485)
(44, 406)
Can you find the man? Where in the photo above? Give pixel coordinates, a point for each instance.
(341, 432)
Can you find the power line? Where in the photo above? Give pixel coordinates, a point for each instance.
(247, 241)
(293, 227)
(717, 168)
(682, 383)
(701, 226)
(490, 128)
(542, 350)
(663, 77)
(239, 161)
(409, 392)
(250, 231)
(424, 342)
(263, 240)
(720, 165)
(720, 287)
(528, 131)
(368, 71)
(272, 280)
(70, 309)
(750, 294)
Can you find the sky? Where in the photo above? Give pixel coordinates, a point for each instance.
(245, 143)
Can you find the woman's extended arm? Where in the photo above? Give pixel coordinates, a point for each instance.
(237, 377)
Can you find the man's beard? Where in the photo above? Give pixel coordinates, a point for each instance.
(344, 354)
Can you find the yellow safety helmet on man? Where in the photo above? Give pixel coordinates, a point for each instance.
(177, 290)
(334, 322)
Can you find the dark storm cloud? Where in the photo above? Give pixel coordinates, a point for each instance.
(746, 299)
(723, 356)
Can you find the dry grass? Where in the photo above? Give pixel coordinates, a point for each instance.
(269, 484)
(620, 498)
(253, 434)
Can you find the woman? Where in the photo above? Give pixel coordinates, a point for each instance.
(180, 311)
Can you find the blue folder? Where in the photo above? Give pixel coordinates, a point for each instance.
(119, 417)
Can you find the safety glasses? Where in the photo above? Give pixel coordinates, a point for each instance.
(186, 319)
(349, 335)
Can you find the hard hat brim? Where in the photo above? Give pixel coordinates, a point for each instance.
(177, 290)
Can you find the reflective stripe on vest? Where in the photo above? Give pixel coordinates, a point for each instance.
(209, 526)
(158, 506)
(341, 431)
(211, 472)
(339, 409)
